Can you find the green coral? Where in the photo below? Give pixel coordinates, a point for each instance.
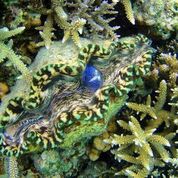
(73, 17)
(128, 10)
(146, 149)
(63, 162)
(174, 102)
(46, 32)
(7, 52)
(93, 12)
(165, 67)
(156, 112)
(12, 167)
(72, 31)
(139, 143)
(160, 17)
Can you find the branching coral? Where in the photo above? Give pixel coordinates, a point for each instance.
(128, 10)
(168, 66)
(174, 102)
(93, 12)
(7, 52)
(165, 67)
(156, 112)
(73, 16)
(72, 28)
(140, 143)
(142, 146)
(12, 167)
(72, 31)
(46, 32)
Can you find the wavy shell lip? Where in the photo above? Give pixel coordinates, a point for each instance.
(66, 121)
(12, 132)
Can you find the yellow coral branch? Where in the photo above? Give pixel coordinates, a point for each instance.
(6, 33)
(128, 10)
(161, 99)
(16, 61)
(142, 108)
(12, 167)
(46, 33)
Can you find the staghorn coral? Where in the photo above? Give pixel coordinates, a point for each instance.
(164, 67)
(174, 102)
(75, 16)
(144, 148)
(71, 29)
(169, 47)
(7, 52)
(12, 167)
(156, 112)
(140, 142)
(93, 12)
(128, 10)
(168, 66)
(46, 32)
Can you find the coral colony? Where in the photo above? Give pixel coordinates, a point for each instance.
(88, 88)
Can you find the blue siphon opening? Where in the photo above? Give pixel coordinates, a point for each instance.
(91, 78)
